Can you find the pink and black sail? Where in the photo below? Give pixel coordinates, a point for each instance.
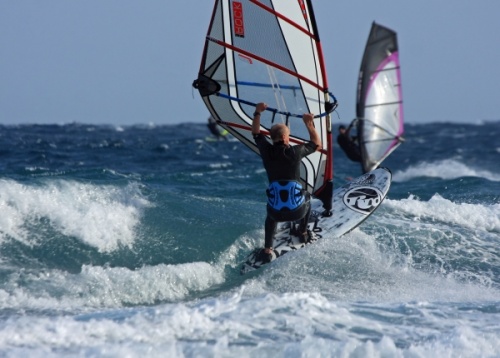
(379, 102)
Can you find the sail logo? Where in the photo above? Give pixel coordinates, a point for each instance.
(238, 24)
(363, 199)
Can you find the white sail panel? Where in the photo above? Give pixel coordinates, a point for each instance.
(383, 113)
(379, 101)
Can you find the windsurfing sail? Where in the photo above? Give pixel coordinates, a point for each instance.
(269, 51)
(379, 102)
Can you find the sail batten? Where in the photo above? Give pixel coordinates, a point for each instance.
(273, 64)
(268, 51)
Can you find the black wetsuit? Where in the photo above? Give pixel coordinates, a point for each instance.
(283, 163)
(349, 146)
(212, 126)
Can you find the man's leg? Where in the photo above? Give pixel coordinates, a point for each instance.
(270, 229)
(305, 220)
(265, 254)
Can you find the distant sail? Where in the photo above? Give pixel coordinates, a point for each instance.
(379, 107)
(269, 51)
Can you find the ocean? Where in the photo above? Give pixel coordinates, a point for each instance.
(126, 241)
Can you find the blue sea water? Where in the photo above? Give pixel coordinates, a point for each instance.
(127, 241)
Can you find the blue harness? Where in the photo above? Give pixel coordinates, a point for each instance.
(285, 195)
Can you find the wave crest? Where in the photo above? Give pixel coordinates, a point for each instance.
(444, 169)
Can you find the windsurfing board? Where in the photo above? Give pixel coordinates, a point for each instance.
(353, 203)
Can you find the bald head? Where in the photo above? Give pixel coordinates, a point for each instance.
(280, 132)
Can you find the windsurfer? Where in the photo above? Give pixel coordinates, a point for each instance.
(287, 201)
(212, 126)
(348, 143)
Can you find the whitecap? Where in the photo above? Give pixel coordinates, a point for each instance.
(444, 169)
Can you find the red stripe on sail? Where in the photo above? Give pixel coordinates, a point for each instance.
(267, 62)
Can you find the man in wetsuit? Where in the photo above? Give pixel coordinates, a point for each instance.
(349, 144)
(287, 201)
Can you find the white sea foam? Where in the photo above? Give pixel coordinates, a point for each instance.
(222, 165)
(473, 216)
(445, 169)
(353, 268)
(291, 324)
(149, 284)
(101, 216)
(114, 287)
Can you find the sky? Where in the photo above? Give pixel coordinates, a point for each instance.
(125, 62)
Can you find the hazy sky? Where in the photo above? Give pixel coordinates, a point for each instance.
(133, 61)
